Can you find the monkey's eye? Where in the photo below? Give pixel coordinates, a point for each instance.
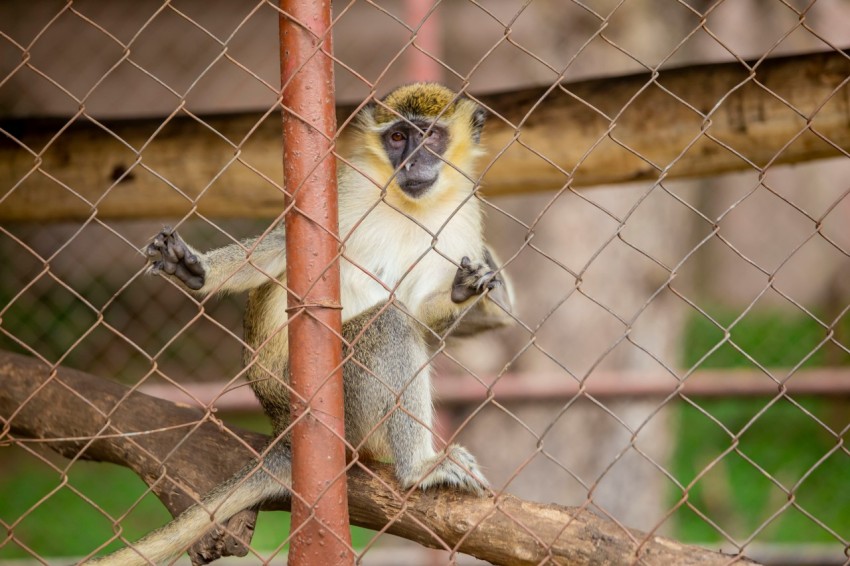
(397, 136)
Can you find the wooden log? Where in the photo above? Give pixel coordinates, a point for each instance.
(695, 121)
(172, 447)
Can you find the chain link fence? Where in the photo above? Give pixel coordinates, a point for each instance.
(664, 183)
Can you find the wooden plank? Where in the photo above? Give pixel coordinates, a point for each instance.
(695, 121)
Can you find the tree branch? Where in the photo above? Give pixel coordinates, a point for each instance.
(694, 121)
(82, 416)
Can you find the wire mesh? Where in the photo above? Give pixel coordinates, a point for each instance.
(677, 353)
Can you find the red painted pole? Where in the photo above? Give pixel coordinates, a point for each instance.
(321, 535)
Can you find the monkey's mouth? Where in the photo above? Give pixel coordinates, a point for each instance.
(415, 187)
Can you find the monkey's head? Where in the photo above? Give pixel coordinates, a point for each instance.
(425, 137)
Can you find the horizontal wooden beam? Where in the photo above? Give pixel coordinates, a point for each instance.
(695, 121)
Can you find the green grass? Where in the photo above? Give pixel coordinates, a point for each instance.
(787, 444)
(793, 442)
(54, 520)
(772, 339)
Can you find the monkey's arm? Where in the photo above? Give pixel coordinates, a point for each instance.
(460, 311)
(233, 268)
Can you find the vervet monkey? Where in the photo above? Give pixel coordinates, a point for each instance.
(413, 268)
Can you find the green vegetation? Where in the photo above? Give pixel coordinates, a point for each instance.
(794, 442)
(49, 514)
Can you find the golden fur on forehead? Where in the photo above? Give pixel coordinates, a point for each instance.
(424, 100)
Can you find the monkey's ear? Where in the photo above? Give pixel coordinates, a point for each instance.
(479, 116)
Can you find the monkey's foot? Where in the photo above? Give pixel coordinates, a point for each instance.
(169, 254)
(456, 469)
(219, 542)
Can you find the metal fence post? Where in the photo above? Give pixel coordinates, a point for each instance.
(319, 505)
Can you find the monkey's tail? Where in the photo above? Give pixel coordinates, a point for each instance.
(243, 491)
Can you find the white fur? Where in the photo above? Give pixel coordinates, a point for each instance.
(409, 259)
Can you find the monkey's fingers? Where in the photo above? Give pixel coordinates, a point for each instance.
(163, 236)
(472, 279)
(180, 252)
(156, 268)
(151, 251)
(474, 480)
(157, 245)
(181, 272)
(488, 280)
(457, 469)
(169, 254)
(193, 264)
(156, 248)
(462, 291)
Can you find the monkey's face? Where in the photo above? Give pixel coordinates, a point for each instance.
(415, 149)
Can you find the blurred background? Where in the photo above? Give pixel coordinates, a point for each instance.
(760, 295)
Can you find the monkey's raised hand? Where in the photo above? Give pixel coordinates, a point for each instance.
(474, 278)
(169, 254)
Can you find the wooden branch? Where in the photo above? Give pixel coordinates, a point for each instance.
(98, 419)
(695, 121)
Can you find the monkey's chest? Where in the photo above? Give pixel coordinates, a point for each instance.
(410, 267)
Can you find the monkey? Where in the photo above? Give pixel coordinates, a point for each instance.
(414, 269)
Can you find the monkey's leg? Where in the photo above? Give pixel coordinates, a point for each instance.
(410, 435)
(391, 376)
(248, 488)
(237, 267)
